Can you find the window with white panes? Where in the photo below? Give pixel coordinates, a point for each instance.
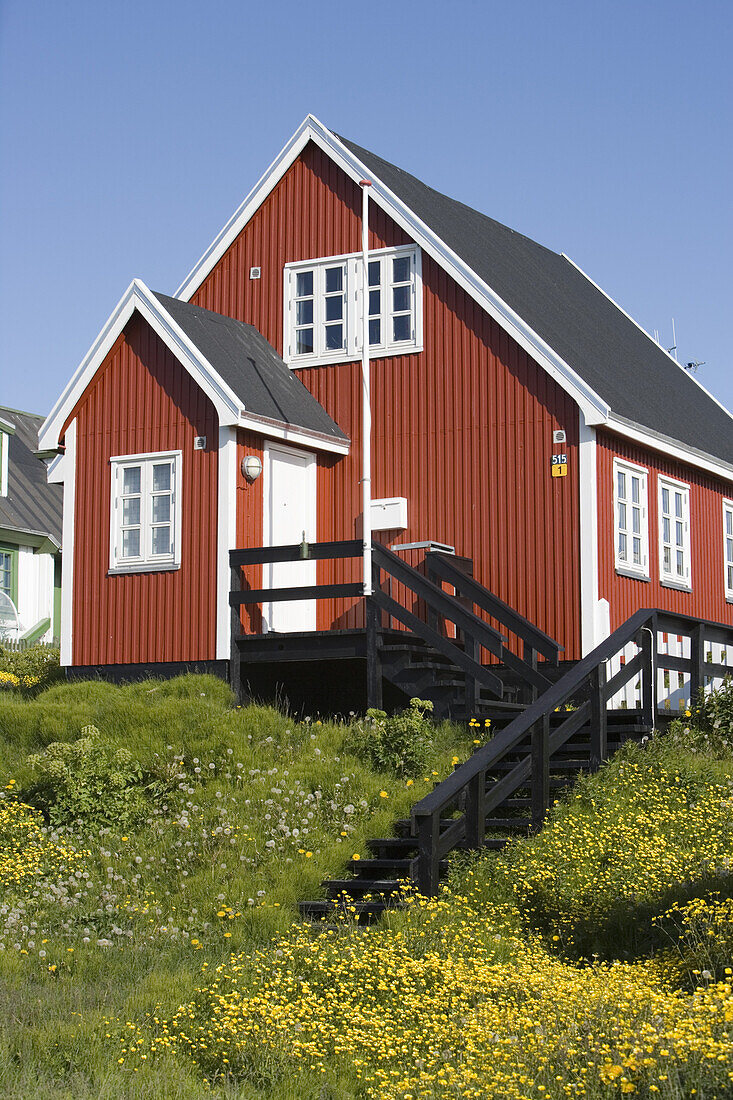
(728, 548)
(8, 573)
(674, 533)
(631, 534)
(324, 302)
(145, 531)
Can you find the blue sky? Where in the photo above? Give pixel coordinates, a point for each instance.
(130, 132)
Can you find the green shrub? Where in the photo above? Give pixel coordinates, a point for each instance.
(87, 780)
(30, 670)
(400, 744)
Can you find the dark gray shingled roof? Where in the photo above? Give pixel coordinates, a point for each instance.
(31, 504)
(622, 364)
(244, 359)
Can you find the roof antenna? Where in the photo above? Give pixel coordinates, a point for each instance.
(656, 335)
(692, 367)
(673, 349)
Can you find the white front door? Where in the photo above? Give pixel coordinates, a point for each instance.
(290, 510)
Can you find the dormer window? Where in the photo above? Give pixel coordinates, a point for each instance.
(324, 302)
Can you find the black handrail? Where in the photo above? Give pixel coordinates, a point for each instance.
(477, 632)
(444, 566)
(584, 683)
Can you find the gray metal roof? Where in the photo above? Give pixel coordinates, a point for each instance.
(624, 366)
(252, 368)
(32, 505)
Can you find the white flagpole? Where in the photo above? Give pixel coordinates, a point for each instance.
(366, 398)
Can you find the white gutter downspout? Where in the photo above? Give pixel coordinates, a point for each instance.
(366, 397)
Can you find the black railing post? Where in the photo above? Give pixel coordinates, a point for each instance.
(529, 656)
(373, 645)
(428, 858)
(475, 811)
(235, 657)
(540, 770)
(471, 649)
(648, 645)
(598, 717)
(697, 656)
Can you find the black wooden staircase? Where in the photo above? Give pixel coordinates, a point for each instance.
(506, 787)
(476, 657)
(461, 647)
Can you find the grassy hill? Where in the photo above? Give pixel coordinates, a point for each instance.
(155, 840)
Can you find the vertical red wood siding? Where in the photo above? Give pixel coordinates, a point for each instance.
(625, 594)
(463, 429)
(142, 400)
(249, 522)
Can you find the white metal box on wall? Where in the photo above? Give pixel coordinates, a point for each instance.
(389, 514)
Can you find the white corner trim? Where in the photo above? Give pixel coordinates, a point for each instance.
(67, 543)
(641, 329)
(588, 533)
(56, 469)
(301, 437)
(226, 538)
(594, 408)
(139, 297)
(655, 441)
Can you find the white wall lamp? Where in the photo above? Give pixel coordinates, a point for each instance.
(251, 467)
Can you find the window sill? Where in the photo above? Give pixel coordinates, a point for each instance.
(679, 586)
(143, 567)
(632, 575)
(298, 362)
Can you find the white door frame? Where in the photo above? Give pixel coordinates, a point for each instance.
(271, 450)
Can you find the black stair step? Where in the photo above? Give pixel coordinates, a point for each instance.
(519, 824)
(356, 887)
(403, 827)
(496, 843)
(567, 764)
(366, 868)
(387, 847)
(364, 911)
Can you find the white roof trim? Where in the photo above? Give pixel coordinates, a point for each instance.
(230, 409)
(7, 426)
(276, 429)
(138, 297)
(595, 410)
(681, 452)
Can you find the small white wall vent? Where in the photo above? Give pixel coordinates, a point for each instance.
(255, 273)
(389, 514)
(199, 443)
(558, 436)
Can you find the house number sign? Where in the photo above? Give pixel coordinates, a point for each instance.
(559, 466)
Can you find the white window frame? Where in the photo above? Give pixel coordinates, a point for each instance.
(4, 462)
(147, 562)
(671, 578)
(352, 267)
(728, 550)
(629, 567)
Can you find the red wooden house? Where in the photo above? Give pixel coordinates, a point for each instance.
(519, 417)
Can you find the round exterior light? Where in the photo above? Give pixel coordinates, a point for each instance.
(251, 467)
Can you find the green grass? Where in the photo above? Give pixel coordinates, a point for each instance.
(206, 874)
(246, 812)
